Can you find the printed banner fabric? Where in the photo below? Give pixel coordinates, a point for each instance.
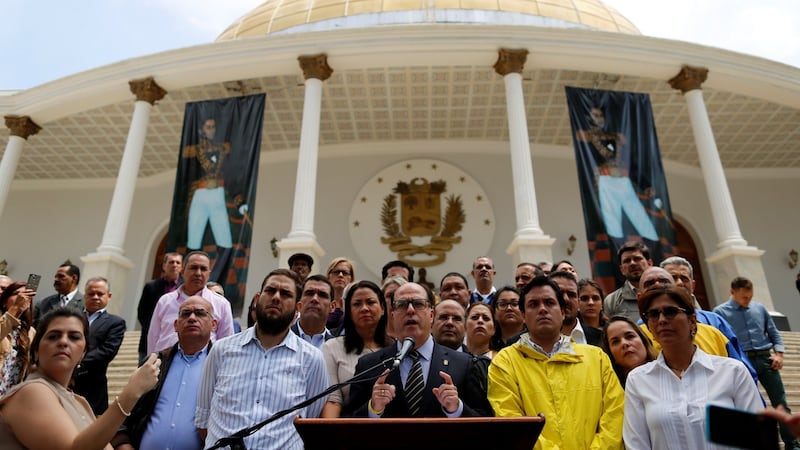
(215, 187)
(623, 189)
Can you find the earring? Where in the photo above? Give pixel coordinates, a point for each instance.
(694, 332)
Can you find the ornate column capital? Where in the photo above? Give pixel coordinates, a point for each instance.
(22, 126)
(147, 90)
(689, 78)
(510, 61)
(315, 66)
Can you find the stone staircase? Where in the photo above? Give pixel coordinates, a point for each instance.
(126, 361)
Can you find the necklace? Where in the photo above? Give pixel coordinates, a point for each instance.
(680, 372)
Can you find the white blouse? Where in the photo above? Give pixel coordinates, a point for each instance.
(341, 366)
(663, 411)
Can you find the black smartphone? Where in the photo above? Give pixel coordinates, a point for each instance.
(741, 429)
(33, 282)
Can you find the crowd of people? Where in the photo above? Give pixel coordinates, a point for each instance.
(633, 369)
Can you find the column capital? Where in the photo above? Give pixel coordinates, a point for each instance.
(147, 90)
(315, 66)
(22, 126)
(510, 61)
(689, 78)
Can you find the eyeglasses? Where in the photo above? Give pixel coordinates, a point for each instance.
(653, 281)
(669, 313)
(419, 304)
(199, 313)
(507, 305)
(344, 273)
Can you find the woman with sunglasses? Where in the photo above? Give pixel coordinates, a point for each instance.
(665, 400)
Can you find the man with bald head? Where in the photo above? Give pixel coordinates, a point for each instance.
(708, 338)
(158, 419)
(433, 381)
(449, 325)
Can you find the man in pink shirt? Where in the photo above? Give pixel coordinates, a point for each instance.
(196, 271)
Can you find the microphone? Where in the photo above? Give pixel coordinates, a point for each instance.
(408, 345)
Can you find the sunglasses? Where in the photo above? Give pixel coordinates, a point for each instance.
(669, 313)
(199, 313)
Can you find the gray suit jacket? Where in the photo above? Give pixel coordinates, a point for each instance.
(48, 303)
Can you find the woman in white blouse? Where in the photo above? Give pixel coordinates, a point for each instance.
(666, 399)
(364, 330)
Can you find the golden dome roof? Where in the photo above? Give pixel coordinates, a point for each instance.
(274, 16)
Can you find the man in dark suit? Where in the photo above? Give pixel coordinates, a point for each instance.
(153, 290)
(106, 332)
(65, 282)
(451, 385)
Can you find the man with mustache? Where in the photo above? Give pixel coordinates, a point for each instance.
(314, 307)
(432, 381)
(265, 369)
(65, 283)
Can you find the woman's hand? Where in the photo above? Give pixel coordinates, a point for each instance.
(145, 377)
(22, 303)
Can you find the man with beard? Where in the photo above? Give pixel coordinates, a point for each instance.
(252, 375)
(634, 258)
(314, 307)
(571, 326)
(483, 272)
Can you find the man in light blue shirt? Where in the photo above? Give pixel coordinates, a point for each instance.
(759, 337)
(253, 375)
(164, 417)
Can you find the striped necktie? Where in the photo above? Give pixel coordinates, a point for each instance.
(414, 385)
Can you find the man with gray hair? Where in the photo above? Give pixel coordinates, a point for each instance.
(106, 332)
(683, 274)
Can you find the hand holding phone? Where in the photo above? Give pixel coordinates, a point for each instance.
(742, 429)
(33, 282)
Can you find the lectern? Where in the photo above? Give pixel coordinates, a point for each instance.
(507, 433)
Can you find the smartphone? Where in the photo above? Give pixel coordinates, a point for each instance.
(33, 282)
(742, 429)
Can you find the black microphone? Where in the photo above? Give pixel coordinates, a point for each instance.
(408, 345)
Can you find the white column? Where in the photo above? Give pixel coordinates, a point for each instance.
(21, 128)
(301, 237)
(305, 187)
(719, 196)
(733, 257)
(109, 260)
(530, 244)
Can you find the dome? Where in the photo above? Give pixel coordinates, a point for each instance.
(286, 16)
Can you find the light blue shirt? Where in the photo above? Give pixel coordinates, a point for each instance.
(753, 325)
(243, 384)
(171, 425)
(93, 316)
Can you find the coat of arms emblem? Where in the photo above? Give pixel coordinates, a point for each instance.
(420, 216)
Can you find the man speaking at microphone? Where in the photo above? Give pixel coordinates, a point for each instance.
(431, 380)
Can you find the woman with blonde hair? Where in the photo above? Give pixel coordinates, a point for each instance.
(340, 273)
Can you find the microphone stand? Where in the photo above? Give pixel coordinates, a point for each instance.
(236, 440)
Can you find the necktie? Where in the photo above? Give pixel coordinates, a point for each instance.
(414, 385)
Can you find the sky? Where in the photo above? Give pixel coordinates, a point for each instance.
(44, 40)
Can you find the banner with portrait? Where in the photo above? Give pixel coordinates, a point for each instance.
(623, 189)
(215, 187)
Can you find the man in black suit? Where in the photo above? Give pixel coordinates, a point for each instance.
(453, 385)
(153, 290)
(106, 332)
(65, 282)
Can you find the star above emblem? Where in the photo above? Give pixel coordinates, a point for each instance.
(462, 179)
(487, 222)
(380, 180)
(363, 199)
(356, 224)
(433, 166)
(479, 198)
(408, 166)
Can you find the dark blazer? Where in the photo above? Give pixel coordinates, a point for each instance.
(153, 290)
(48, 303)
(469, 378)
(135, 425)
(592, 335)
(105, 338)
(296, 330)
